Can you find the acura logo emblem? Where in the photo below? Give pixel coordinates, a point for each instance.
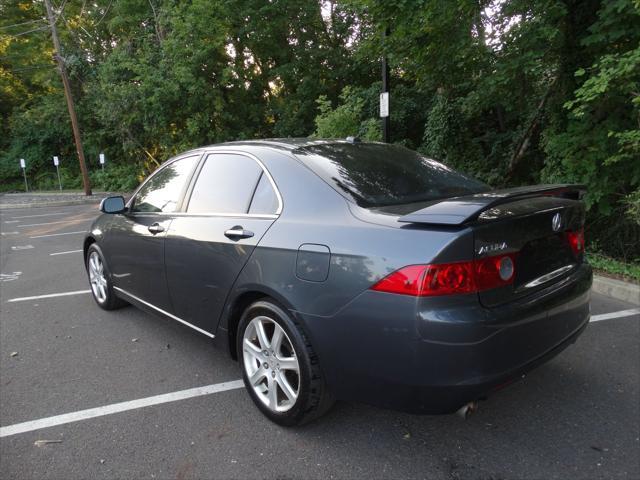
(556, 222)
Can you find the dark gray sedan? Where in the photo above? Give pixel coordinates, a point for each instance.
(349, 270)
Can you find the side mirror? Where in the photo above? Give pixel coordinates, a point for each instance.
(112, 205)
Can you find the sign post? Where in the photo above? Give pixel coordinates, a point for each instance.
(23, 166)
(56, 162)
(102, 160)
(384, 96)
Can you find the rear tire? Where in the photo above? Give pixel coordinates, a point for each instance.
(100, 280)
(279, 367)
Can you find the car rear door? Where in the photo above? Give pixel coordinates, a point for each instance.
(232, 203)
(134, 244)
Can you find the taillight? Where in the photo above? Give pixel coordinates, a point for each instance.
(575, 239)
(406, 281)
(450, 278)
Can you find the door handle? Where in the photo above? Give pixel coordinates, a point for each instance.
(237, 232)
(155, 228)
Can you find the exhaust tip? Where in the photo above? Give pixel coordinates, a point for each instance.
(467, 410)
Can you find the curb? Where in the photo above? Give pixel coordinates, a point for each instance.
(11, 206)
(627, 292)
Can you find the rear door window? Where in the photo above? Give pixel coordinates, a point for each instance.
(226, 184)
(265, 200)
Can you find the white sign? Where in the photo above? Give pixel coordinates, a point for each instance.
(384, 104)
(56, 162)
(102, 159)
(22, 164)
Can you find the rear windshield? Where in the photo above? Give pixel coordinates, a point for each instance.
(379, 175)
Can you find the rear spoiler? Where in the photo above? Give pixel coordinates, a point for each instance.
(460, 210)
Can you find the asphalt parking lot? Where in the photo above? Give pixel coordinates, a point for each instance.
(575, 417)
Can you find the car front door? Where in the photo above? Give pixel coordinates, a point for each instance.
(232, 204)
(135, 245)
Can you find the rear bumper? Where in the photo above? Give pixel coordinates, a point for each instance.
(434, 355)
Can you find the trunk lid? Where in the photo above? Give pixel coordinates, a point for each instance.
(536, 231)
(532, 223)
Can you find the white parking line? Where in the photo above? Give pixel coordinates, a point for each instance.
(58, 234)
(9, 277)
(619, 314)
(40, 224)
(118, 407)
(21, 247)
(41, 215)
(64, 253)
(167, 397)
(50, 295)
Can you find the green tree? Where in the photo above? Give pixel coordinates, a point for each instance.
(512, 91)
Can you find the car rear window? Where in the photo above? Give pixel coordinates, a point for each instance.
(379, 175)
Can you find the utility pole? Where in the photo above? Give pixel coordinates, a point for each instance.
(67, 93)
(386, 119)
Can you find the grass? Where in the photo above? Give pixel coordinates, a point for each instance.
(629, 271)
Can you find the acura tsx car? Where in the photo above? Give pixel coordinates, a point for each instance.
(349, 270)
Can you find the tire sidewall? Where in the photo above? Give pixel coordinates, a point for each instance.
(266, 308)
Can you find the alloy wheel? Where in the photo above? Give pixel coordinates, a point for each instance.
(271, 364)
(97, 277)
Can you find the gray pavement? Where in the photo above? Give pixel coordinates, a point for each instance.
(575, 417)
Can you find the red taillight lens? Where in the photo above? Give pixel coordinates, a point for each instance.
(450, 278)
(406, 281)
(575, 239)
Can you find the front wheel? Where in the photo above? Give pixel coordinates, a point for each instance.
(280, 369)
(100, 281)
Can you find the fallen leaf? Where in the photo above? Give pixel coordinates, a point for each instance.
(40, 443)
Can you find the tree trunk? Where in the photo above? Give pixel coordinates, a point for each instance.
(524, 142)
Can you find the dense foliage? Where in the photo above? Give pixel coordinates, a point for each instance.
(511, 91)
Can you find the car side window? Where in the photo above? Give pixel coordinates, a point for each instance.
(265, 200)
(162, 191)
(225, 184)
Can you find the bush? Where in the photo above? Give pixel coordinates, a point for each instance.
(116, 178)
(343, 121)
(626, 270)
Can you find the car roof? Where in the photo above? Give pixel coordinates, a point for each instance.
(288, 144)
